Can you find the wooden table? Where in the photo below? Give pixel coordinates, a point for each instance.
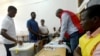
(56, 52)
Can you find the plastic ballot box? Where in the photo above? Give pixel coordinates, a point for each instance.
(27, 49)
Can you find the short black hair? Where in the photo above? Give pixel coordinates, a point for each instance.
(58, 11)
(32, 13)
(12, 8)
(93, 11)
(43, 20)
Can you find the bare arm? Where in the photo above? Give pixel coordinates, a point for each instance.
(77, 51)
(33, 32)
(3, 33)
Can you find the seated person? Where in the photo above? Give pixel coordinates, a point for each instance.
(89, 43)
(56, 33)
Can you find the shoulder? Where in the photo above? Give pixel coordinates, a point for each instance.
(83, 36)
(28, 20)
(65, 14)
(6, 20)
(45, 26)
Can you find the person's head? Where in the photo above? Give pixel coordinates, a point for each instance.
(58, 12)
(42, 22)
(12, 11)
(33, 15)
(90, 18)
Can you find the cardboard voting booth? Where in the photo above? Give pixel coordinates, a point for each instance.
(27, 49)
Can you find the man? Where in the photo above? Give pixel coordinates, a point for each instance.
(56, 32)
(33, 28)
(8, 30)
(44, 31)
(34, 33)
(70, 27)
(89, 43)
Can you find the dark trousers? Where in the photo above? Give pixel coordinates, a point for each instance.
(8, 46)
(73, 41)
(45, 39)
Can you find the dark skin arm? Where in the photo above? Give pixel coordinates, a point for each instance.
(77, 51)
(4, 34)
(33, 32)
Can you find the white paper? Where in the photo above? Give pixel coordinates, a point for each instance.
(54, 44)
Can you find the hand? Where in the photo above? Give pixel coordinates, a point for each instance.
(20, 42)
(60, 41)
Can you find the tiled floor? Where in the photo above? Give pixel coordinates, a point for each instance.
(2, 50)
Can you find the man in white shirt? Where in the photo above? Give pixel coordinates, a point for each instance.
(69, 28)
(8, 30)
(44, 31)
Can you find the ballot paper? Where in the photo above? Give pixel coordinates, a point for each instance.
(54, 44)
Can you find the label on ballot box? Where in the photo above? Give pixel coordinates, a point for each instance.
(27, 49)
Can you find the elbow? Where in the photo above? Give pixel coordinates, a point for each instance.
(2, 33)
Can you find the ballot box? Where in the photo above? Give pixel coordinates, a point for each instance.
(27, 49)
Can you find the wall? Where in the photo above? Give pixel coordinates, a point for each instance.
(45, 9)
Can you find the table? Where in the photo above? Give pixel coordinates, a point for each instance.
(56, 52)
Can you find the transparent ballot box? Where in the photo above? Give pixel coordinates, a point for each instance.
(27, 49)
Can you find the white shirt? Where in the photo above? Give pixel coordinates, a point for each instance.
(67, 25)
(8, 24)
(43, 29)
